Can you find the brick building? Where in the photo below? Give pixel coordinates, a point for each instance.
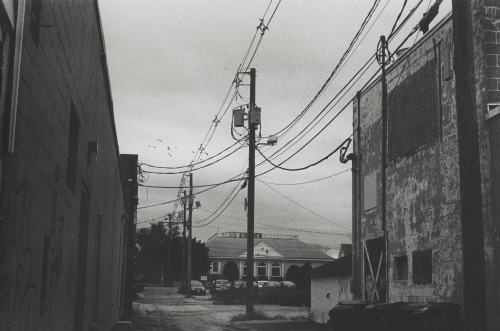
(62, 216)
(424, 248)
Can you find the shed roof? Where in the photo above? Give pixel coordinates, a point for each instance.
(341, 266)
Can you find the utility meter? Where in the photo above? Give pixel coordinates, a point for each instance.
(239, 117)
(254, 117)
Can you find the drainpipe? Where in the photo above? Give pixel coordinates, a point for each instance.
(355, 288)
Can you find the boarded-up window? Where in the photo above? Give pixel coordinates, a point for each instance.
(413, 112)
(401, 268)
(422, 267)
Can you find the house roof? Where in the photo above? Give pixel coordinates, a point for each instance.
(345, 249)
(289, 248)
(341, 266)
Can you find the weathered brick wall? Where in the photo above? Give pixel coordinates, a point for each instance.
(39, 233)
(423, 210)
(487, 51)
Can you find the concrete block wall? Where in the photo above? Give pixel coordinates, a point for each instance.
(487, 51)
(39, 232)
(423, 211)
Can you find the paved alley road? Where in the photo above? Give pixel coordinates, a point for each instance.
(160, 309)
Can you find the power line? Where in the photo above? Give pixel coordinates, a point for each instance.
(308, 182)
(189, 165)
(348, 141)
(327, 82)
(298, 204)
(193, 169)
(234, 83)
(370, 61)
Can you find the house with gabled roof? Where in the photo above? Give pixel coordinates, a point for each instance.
(276, 256)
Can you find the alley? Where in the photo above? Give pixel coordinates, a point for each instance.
(159, 309)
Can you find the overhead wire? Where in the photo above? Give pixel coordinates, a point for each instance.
(305, 208)
(189, 165)
(307, 182)
(368, 82)
(234, 83)
(327, 82)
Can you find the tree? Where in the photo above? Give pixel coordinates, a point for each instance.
(231, 272)
(152, 254)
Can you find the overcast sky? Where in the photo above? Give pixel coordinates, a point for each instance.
(171, 65)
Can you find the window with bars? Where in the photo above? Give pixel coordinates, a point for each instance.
(413, 112)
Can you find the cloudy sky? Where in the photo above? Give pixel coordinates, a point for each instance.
(172, 63)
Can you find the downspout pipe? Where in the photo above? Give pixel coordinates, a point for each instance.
(354, 270)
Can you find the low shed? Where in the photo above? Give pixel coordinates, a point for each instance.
(330, 283)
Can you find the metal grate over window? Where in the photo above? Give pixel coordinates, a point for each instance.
(413, 112)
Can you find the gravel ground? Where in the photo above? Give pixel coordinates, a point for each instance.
(161, 308)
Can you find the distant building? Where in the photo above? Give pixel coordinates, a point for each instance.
(275, 256)
(63, 222)
(423, 248)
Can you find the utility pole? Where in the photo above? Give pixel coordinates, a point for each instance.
(190, 234)
(251, 198)
(384, 61)
(183, 282)
(169, 270)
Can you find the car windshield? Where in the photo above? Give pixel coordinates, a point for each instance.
(222, 281)
(195, 283)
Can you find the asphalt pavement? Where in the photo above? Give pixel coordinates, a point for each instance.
(162, 308)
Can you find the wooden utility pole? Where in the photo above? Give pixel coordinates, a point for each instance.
(183, 282)
(169, 270)
(251, 200)
(474, 283)
(385, 60)
(190, 234)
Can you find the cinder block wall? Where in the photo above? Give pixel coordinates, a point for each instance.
(423, 209)
(40, 230)
(487, 38)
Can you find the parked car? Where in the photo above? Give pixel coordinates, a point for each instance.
(271, 283)
(197, 288)
(220, 285)
(261, 283)
(243, 284)
(287, 284)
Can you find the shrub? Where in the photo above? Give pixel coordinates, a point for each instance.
(232, 296)
(257, 315)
